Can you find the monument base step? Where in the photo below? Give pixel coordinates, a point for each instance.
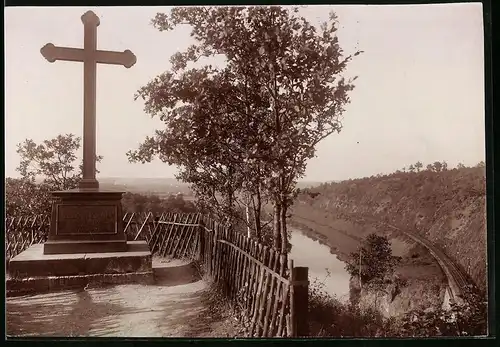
(172, 272)
(90, 246)
(41, 284)
(34, 263)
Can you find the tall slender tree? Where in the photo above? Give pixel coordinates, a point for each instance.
(252, 125)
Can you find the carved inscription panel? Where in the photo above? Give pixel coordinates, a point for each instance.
(78, 219)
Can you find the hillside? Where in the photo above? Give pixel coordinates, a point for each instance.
(446, 207)
(163, 187)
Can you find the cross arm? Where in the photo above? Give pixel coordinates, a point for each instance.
(53, 53)
(125, 58)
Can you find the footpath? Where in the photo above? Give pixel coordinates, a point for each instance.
(179, 304)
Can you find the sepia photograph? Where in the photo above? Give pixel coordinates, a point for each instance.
(312, 171)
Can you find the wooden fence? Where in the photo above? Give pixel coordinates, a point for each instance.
(168, 235)
(263, 284)
(260, 283)
(23, 231)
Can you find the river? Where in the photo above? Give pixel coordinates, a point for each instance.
(322, 264)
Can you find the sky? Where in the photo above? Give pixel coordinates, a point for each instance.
(419, 95)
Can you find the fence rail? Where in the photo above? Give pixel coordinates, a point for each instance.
(262, 284)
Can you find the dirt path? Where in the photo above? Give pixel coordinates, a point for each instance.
(162, 310)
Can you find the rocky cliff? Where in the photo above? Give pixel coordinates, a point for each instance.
(446, 207)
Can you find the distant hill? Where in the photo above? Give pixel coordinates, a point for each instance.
(163, 185)
(307, 184)
(141, 180)
(448, 208)
(158, 186)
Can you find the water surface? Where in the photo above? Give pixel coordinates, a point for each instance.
(322, 264)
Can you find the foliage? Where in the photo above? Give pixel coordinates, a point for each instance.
(448, 208)
(467, 319)
(437, 166)
(418, 166)
(139, 203)
(25, 197)
(373, 261)
(331, 318)
(243, 133)
(44, 168)
(53, 161)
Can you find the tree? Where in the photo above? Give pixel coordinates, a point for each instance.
(438, 166)
(373, 260)
(460, 166)
(53, 161)
(444, 166)
(247, 130)
(411, 168)
(25, 197)
(481, 164)
(44, 168)
(418, 166)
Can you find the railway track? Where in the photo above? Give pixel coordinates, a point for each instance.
(456, 279)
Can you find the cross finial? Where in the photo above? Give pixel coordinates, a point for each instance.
(48, 52)
(91, 18)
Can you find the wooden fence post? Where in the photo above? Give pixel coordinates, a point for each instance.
(299, 301)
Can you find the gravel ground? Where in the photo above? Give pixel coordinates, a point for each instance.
(167, 309)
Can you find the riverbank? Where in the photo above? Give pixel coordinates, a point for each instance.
(446, 207)
(421, 282)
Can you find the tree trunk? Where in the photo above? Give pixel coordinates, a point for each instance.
(284, 233)
(247, 212)
(257, 209)
(277, 226)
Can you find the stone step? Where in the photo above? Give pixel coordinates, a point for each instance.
(84, 246)
(33, 263)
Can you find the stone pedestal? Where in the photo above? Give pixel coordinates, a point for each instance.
(86, 244)
(86, 221)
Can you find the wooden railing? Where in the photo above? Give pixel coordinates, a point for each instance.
(168, 235)
(23, 231)
(260, 283)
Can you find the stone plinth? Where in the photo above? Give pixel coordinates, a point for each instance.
(34, 271)
(86, 221)
(86, 245)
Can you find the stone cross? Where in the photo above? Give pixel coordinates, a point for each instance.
(90, 56)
